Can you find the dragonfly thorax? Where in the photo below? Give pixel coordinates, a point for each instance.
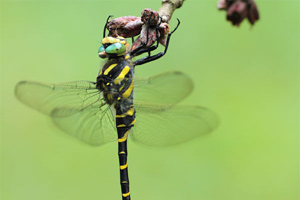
(116, 83)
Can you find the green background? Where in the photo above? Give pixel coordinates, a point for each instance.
(248, 75)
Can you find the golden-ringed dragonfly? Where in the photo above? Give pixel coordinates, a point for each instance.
(118, 105)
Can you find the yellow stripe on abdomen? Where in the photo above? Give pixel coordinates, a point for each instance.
(123, 166)
(126, 194)
(129, 112)
(125, 136)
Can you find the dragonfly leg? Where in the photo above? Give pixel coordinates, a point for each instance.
(105, 26)
(149, 49)
(150, 58)
(133, 53)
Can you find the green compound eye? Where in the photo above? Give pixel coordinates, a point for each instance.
(116, 48)
(101, 48)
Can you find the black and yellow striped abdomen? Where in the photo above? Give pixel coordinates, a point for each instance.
(116, 83)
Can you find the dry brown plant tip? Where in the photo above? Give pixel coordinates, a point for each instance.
(238, 10)
(150, 16)
(127, 26)
(152, 30)
(151, 27)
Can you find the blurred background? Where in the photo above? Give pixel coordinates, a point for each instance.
(248, 75)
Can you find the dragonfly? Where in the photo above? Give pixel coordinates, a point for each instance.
(118, 104)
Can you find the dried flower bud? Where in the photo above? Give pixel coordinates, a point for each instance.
(253, 14)
(164, 28)
(150, 16)
(154, 21)
(238, 10)
(128, 26)
(164, 31)
(136, 44)
(222, 5)
(142, 39)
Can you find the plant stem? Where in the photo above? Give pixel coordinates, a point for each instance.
(168, 7)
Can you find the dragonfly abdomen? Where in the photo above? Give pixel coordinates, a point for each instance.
(124, 122)
(122, 142)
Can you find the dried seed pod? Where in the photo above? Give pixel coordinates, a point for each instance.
(127, 26)
(163, 29)
(253, 14)
(222, 5)
(142, 39)
(238, 10)
(150, 16)
(130, 26)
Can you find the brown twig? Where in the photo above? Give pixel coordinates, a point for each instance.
(168, 7)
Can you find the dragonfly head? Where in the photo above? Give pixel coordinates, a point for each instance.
(113, 47)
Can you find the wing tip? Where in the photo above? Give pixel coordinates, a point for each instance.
(18, 87)
(212, 118)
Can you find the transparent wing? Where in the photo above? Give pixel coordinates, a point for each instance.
(93, 125)
(166, 88)
(163, 125)
(46, 97)
(75, 107)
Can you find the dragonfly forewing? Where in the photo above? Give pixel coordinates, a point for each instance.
(46, 97)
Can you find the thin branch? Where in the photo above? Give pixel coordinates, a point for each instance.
(168, 7)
